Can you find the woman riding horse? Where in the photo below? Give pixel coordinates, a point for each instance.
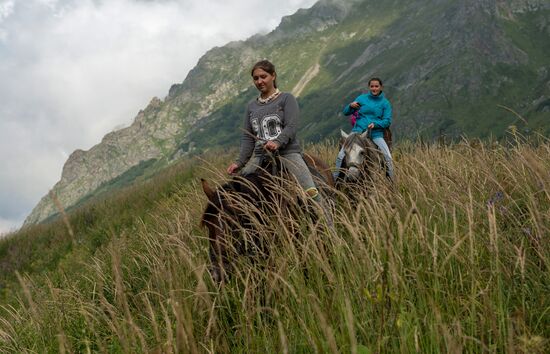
(374, 115)
(273, 118)
(270, 125)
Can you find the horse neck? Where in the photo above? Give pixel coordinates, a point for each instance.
(251, 187)
(272, 163)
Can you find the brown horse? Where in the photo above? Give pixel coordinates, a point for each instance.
(237, 209)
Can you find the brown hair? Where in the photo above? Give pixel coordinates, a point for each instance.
(266, 66)
(376, 79)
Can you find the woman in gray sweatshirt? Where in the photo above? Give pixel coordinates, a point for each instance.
(270, 123)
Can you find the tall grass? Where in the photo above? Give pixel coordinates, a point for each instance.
(454, 259)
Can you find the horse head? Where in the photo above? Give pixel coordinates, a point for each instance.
(231, 209)
(359, 151)
(232, 204)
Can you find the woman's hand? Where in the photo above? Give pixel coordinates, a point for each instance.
(355, 105)
(370, 126)
(271, 145)
(232, 168)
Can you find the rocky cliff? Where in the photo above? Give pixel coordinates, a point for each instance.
(447, 65)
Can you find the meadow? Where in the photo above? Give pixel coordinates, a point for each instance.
(455, 258)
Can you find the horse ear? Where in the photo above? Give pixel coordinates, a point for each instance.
(365, 134)
(207, 189)
(344, 134)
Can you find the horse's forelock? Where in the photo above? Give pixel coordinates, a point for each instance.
(354, 139)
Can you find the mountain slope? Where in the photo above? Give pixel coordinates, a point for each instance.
(447, 66)
(454, 260)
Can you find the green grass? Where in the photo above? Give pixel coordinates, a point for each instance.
(39, 249)
(456, 259)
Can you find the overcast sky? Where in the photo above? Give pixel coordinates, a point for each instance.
(73, 70)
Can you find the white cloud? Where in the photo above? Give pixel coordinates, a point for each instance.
(6, 8)
(8, 226)
(72, 70)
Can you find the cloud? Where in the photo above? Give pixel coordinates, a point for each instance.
(6, 8)
(72, 70)
(8, 226)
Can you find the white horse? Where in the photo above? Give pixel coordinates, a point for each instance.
(362, 157)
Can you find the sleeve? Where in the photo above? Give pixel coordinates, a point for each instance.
(247, 141)
(348, 110)
(292, 113)
(385, 120)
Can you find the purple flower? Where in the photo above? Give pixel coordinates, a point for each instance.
(497, 197)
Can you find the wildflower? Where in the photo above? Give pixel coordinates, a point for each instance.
(497, 197)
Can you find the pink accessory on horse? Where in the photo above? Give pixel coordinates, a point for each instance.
(353, 118)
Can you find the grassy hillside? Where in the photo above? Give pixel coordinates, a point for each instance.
(455, 260)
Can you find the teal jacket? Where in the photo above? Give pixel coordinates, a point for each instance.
(374, 109)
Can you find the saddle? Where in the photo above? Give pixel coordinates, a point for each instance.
(388, 137)
(271, 162)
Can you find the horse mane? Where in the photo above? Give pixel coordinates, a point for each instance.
(254, 188)
(250, 187)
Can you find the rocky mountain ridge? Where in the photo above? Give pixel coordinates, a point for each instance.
(447, 63)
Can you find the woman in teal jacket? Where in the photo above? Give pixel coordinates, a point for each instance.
(375, 113)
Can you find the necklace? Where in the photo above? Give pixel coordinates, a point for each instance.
(270, 98)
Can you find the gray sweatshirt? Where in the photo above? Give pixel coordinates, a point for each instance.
(276, 120)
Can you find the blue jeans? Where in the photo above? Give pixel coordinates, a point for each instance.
(295, 165)
(381, 143)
